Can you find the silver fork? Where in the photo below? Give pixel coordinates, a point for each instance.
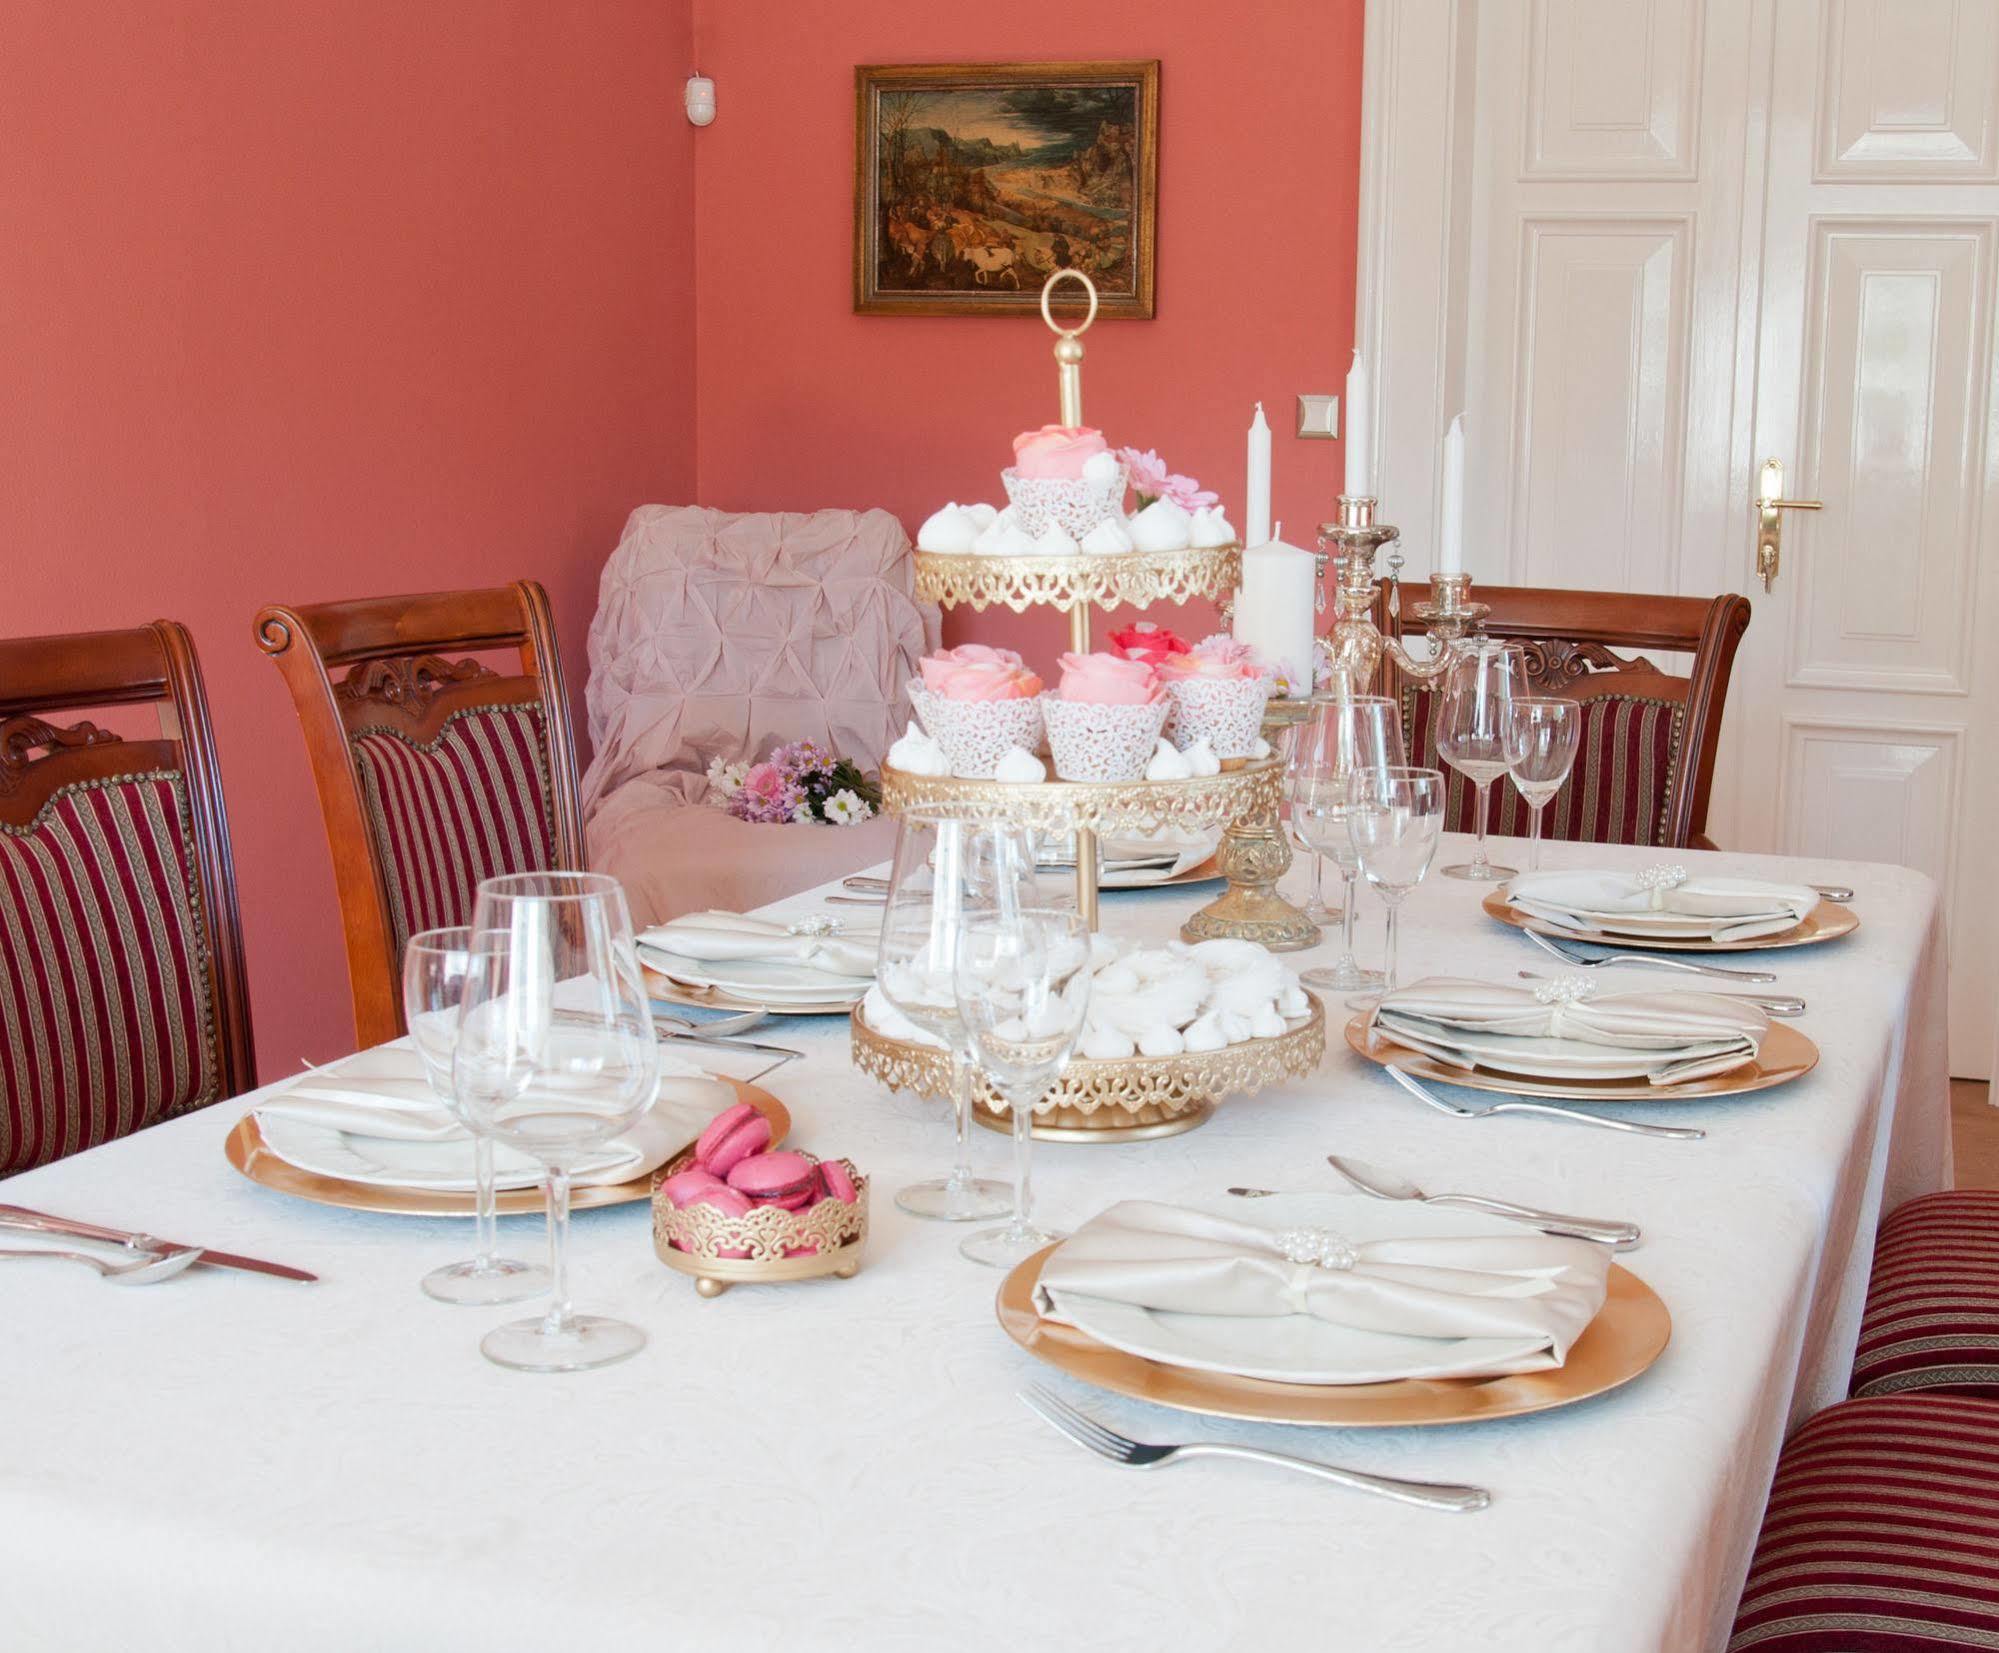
(1547, 945)
(1423, 1093)
(1121, 1449)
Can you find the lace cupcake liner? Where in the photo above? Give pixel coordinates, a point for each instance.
(1078, 505)
(976, 734)
(1091, 742)
(1227, 712)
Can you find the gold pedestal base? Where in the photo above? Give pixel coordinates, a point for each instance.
(1145, 1124)
(1253, 855)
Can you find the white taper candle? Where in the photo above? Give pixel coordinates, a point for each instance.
(1256, 495)
(1451, 540)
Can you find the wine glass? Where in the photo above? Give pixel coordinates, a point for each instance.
(1541, 736)
(556, 1056)
(952, 862)
(1348, 734)
(1300, 767)
(1023, 984)
(435, 965)
(1395, 819)
(1471, 733)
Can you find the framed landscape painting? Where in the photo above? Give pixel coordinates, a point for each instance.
(973, 183)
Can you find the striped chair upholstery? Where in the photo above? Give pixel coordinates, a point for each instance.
(1932, 1317)
(469, 805)
(107, 1014)
(1882, 1533)
(1618, 792)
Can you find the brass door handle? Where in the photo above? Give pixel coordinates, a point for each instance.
(1770, 501)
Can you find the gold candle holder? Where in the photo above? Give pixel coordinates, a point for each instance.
(1253, 855)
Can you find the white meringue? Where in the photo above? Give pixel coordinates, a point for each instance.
(1106, 1044)
(1108, 539)
(1292, 1001)
(1055, 541)
(1003, 539)
(982, 515)
(1266, 1023)
(1101, 469)
(1019, 766)
(1161, 526)
(1168, 764)
(1103, 950)
(1210, 527)
(951, 529)
(1262, 749)
(885, 1019)
(1205, 1033)
(917, 754)
(1115, 978)
(1161, 1040)
(1201, 759)
(1234, 1028)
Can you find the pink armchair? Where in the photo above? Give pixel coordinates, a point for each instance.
(724, 635)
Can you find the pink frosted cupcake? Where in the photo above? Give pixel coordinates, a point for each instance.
(977, 703)
(1064, 474)
(1218, 692)
(1104, 718)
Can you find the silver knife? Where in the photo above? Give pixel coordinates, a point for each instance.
(40, 1222)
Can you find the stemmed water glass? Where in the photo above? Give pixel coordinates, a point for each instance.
(1471, 733)
(1348, 736)
(1541, 736)
(435, 966)
(556, 1056)
(1300, 773)
(1395, 819)
(953, 862)
(1023, 985)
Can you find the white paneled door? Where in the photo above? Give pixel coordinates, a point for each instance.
(1680, 239)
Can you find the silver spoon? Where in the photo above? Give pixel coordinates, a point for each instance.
(142, 1270)
(1774, 1004)
(1386, 1185)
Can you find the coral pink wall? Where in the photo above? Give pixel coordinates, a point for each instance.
(802, 403)
(303, 300)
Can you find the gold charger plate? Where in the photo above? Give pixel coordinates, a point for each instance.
(245, 1149)
(1828, 921)
(1627, 1335)
(668, 991)
(1786, 1054)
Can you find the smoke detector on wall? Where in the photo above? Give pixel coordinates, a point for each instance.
(700, 100)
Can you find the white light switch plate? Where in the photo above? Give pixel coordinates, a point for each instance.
(1318, 416)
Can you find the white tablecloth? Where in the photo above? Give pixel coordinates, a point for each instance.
(225, 1461)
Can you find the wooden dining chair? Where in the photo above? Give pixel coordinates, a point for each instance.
(1645, 760)
(434, 773)
(123, 997)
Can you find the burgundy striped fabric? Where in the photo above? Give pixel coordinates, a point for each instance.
(1882, 1534)
(472, 804)
(107, 1008)
(1932, 1317)
(1616, 794)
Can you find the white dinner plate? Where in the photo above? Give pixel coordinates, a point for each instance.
(767, 982)
(1301, 1348)
(1547, 1057)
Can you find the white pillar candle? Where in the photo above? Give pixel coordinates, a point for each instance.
(1256, 496)
(1451, 541)
(1274, 609)
(1360, 452)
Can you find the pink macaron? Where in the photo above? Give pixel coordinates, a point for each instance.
(690, 1184)
(838, 1185)
(732, 1136)
(721, 1197)
(785, 1179)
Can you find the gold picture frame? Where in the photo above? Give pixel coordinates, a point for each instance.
(973, 182)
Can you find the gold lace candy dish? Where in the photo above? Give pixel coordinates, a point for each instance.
(1132, 1099)
(1134, 579)
(769, 1246)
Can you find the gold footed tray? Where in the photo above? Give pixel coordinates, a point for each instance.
(1132, 1100)
(776, 1246)
(1828, 921)
(1136, 578)
(246, 1151)
(1786, 1054)
(1111, 809)
(1628, 1334)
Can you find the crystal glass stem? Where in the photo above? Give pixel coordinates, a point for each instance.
(1481, 864)
(561, 1317)
(486, 1242)
(1318, 908)
(1349, 880)
(1394, 933)
(1534, 836)
(961, 1086)
(1022, 1109)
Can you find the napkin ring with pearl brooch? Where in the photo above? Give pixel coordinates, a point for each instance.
(1658, 878)
(1320, 1247)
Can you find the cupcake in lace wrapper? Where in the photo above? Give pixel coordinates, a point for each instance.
(976, 734)
(1078, 504)
(1226, 712)
(1092, 741)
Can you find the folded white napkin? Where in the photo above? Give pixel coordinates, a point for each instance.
(1662, 901)
(1533, 1293)
(374, 1118)
(715, 936)
(1565, 1028)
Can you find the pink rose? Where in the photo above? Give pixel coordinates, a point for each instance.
(973, 671)
(1057, 451)
(1109, 680)
(1145, 641)
(1218, 656)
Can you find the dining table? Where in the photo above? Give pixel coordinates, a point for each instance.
(227, 1460)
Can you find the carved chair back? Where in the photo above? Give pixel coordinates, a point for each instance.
(434, 772)
(123, 996)
(1645, 761)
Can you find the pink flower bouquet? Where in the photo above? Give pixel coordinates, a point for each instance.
(799, 782)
